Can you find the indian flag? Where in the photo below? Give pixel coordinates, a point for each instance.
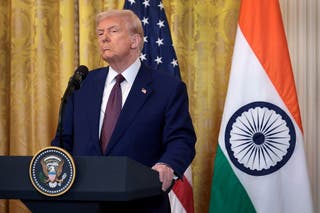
(260, 163)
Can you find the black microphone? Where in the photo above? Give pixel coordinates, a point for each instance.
(75, 81)
(74, 84)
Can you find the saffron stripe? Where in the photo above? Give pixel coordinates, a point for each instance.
(267, 39)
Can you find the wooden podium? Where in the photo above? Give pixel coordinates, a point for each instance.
(99, 181)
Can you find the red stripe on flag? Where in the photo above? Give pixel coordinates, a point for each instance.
(183, 191)
(265, 35)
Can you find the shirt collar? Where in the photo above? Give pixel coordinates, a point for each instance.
(129, 74)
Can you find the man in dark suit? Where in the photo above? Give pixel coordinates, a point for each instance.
(154, 126)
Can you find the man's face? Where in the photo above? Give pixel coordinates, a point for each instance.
(114, 39)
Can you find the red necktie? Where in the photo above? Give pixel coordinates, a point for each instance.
(111, 113)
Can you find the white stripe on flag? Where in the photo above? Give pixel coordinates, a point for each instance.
(181, 196)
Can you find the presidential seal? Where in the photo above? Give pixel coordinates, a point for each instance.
(52, 171)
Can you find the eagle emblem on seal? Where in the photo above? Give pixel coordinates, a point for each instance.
(52, 167)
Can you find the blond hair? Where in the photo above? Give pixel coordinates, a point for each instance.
(133, 22)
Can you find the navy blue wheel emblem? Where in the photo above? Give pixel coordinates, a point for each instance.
(260, 138)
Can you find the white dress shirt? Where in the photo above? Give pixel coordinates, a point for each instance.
(129, 74)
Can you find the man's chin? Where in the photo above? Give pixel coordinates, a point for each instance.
(108, 58)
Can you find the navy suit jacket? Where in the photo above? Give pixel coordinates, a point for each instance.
(154, 124)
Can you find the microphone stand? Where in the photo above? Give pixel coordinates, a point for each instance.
(60, 125)
(73, 84)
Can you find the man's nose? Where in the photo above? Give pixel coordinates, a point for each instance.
(106, 37)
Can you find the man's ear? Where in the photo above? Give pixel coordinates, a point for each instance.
(135, 41)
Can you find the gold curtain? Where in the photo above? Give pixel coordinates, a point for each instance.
(43, 41)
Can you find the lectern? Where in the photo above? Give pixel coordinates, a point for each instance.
(98, 181)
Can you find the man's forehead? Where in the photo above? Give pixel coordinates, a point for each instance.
(111, 21)
(108, 26)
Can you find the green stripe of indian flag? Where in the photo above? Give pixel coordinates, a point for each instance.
(234, 197)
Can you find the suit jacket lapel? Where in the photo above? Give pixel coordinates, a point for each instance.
(139, 93)
(94, 106)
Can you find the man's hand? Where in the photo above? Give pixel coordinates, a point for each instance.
(165, 175)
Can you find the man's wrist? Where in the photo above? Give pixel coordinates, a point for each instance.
(175, 177)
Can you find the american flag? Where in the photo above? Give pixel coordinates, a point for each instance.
(158, 52)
